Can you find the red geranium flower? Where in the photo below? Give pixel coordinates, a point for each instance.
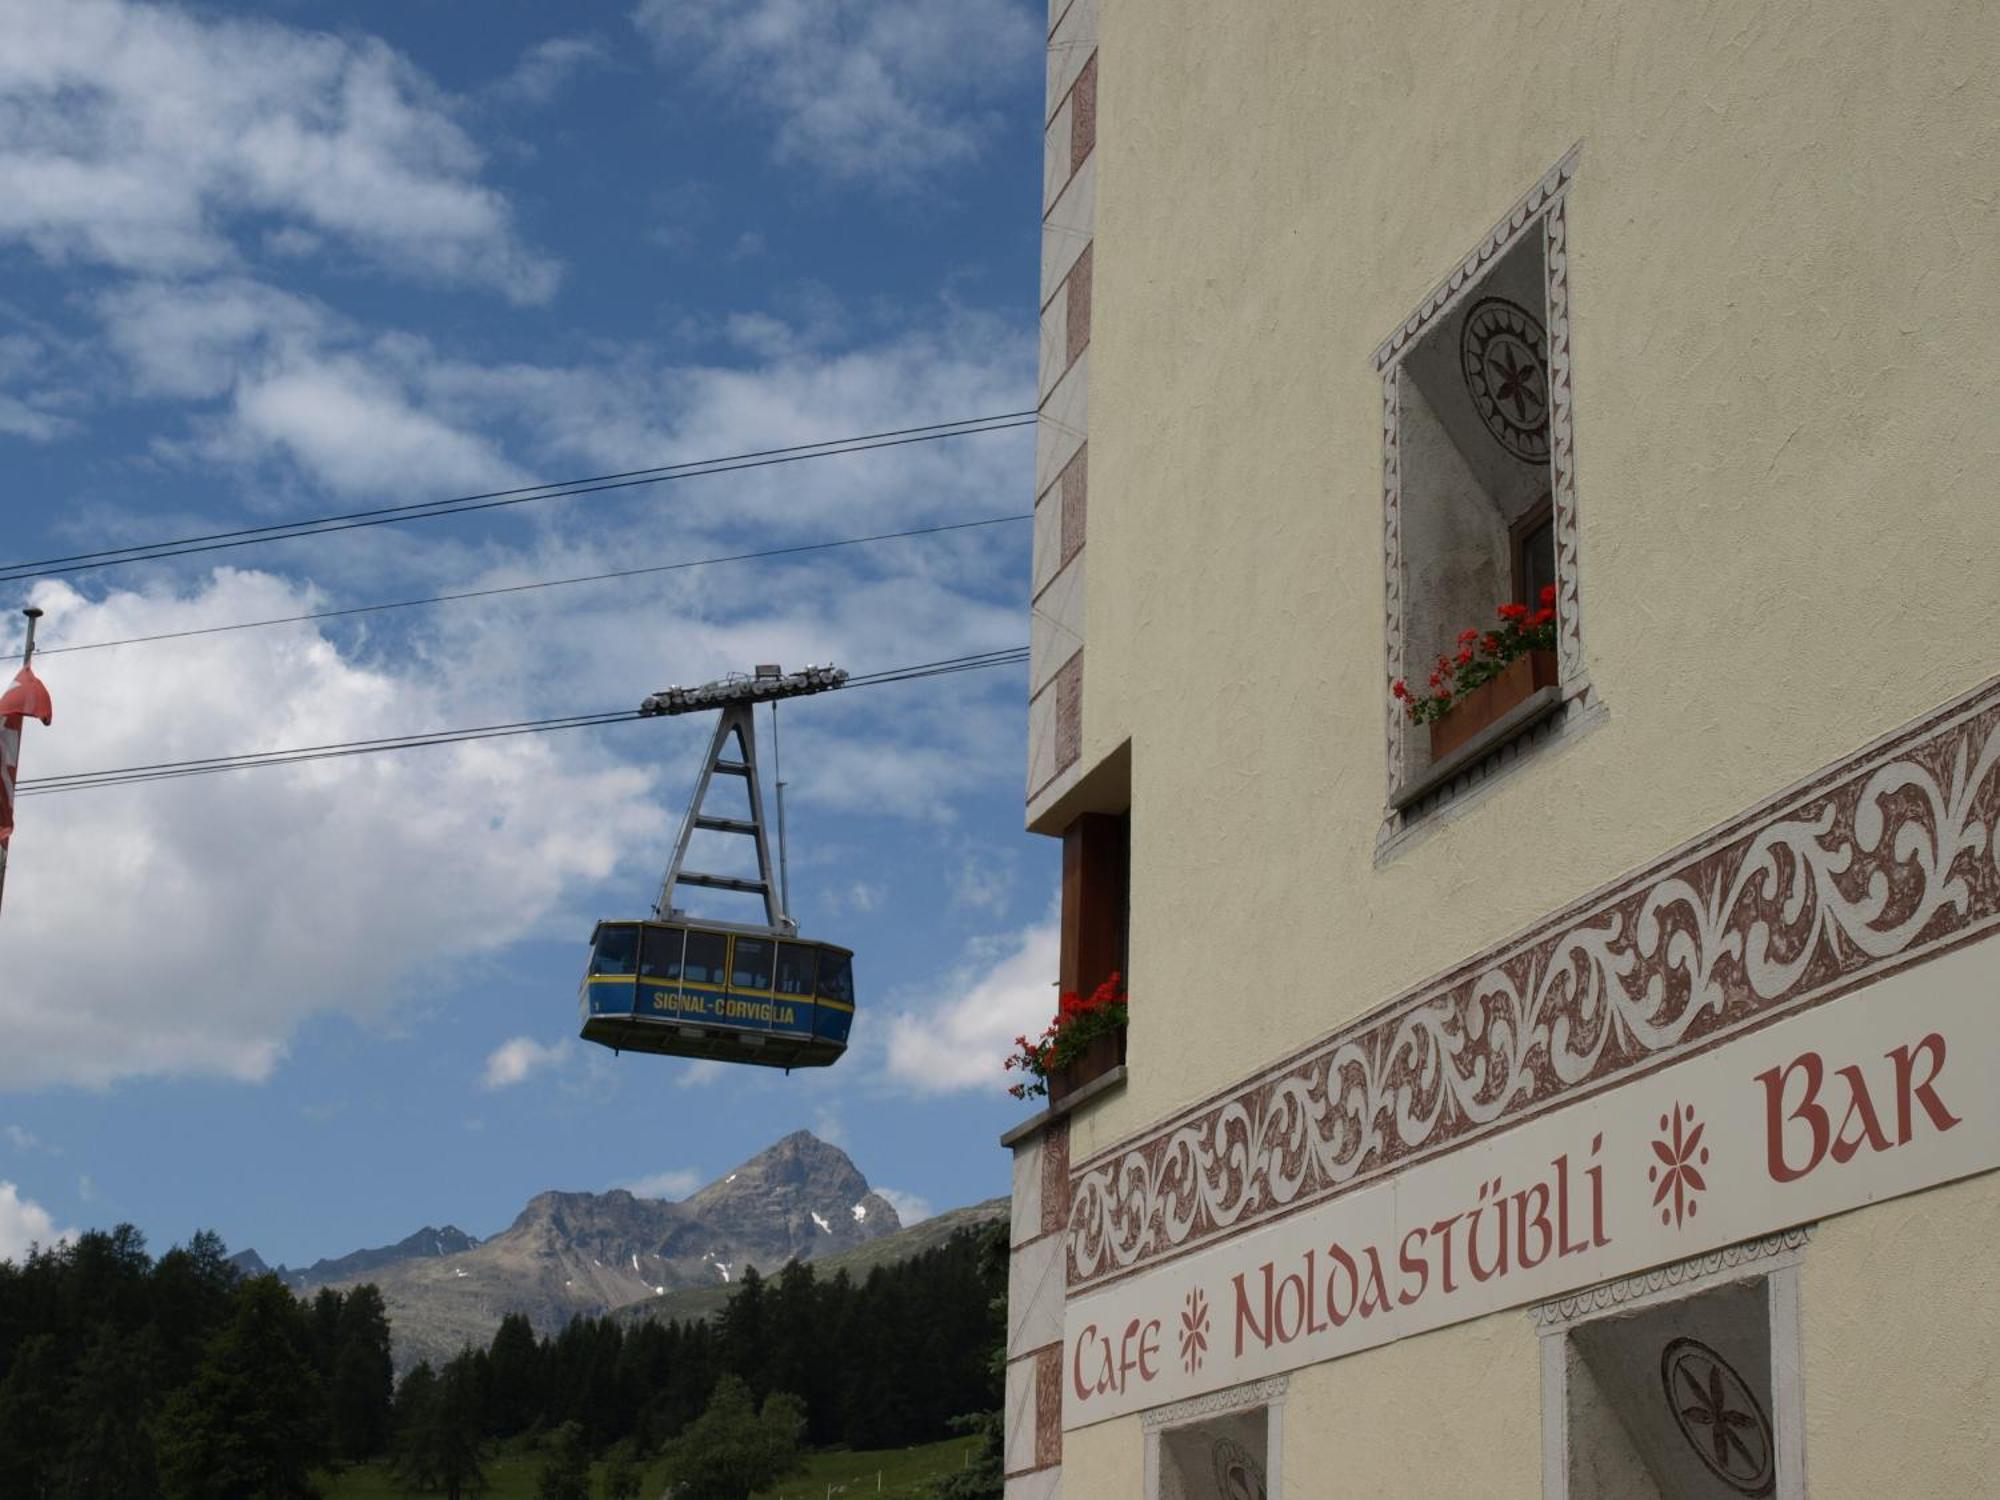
(1513, 611)
(1549, 594)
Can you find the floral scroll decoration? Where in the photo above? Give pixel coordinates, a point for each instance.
(1883, 859)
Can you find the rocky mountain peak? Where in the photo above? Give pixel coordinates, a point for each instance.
(570, 1253)
(803, 1193)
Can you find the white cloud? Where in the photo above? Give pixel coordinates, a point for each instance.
(357, 432)
(828, 1125)
(250, 902)
(19, 1139)
(37, 414)
(911, 1208)
(517, 1059)
(138, 135)
(548, 67)
(675, 1182)
(19, 419)
(24, 1224)
(982, 885)
(365, 414)
(302, 387)
(868, 89)
(699, 1072)
(1007, 990)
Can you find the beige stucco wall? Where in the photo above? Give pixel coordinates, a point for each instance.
(1900, 1324)
(1454, 1412)
(1785, 262)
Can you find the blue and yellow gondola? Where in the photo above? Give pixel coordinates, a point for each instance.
(710, 990)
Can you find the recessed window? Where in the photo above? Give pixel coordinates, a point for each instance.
(1224, 1458)
(1479, 512)
(1681, 1382)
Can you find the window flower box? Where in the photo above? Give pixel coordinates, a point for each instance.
(1097, 1057)
(1515, 683)
(1085, 1041)
(1492, 674)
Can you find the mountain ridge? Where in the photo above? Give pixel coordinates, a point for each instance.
(569, 1254)
(429, 1240)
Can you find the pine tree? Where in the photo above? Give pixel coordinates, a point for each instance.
(438, 1430)
(109, 1400)
(363, 1377)
(31, 1432)
(251, 1422)
(513, 1369)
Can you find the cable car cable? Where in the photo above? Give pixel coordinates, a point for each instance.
(209, 765)
(424, 510)
(522, 588)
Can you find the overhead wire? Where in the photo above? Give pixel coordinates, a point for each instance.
(423, 510)
(296, 755)
(530, 586)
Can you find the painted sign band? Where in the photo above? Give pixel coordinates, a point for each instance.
(1881, 1093)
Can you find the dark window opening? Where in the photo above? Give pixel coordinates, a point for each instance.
(1097, 900)
(836, 977)
(617, 947)
(795, 969)
(706, 953)
(1534, 540)
(660, 958)
(751, 967)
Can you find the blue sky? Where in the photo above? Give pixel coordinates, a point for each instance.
(269, 262)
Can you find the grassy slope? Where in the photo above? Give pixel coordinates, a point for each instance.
(905, 1473)
(699, 1303)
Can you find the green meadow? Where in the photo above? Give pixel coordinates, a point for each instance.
(901, 1472)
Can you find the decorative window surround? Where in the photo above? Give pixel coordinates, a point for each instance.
(1413, 794)
(1775, 1259)
(1762, 917)
(1682, 1278)
(1267, 1395)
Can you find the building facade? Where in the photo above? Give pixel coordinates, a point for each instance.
(1599, 1105)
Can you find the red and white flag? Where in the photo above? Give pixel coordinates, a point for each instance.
(25, 699)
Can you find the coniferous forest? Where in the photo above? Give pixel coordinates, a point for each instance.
(179, 1378)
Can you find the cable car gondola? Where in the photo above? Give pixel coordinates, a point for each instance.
(735, 992)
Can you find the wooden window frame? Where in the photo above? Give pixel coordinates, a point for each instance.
(1541, 513)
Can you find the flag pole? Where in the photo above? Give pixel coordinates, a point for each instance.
(10, 751)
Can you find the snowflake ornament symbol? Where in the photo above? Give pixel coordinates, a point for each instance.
(1194, 1331)
(1678, 1170)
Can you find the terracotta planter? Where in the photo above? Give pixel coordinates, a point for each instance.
(1099, 1056)
(1518, 681)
